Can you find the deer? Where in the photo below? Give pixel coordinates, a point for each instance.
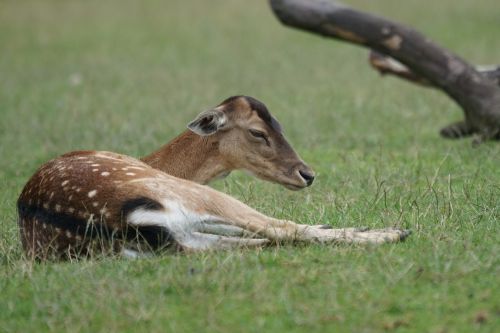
(87, 202)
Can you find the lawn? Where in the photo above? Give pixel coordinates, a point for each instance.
(127, 76)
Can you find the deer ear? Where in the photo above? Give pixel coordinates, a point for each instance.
(208, 122)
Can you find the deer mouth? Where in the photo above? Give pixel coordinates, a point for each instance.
(297, 184)
(302, 179)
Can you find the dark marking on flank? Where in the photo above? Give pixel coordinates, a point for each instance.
(140, 202)
(156, 237)
(75, 225)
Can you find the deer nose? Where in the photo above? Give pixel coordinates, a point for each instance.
(308, 176)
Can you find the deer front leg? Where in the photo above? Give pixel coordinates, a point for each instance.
(224, 209)
(326, 234)
(361, 235)
(224, 229)
(197, 241)
(288, 231)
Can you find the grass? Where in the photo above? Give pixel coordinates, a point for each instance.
(127, 76)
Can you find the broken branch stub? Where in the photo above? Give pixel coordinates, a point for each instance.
(427, 63)
(387, 65)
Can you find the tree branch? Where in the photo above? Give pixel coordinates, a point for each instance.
(428, 63)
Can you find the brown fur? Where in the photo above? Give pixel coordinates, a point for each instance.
(85, 186)
(201, 159)
(92, 186)
(190, 156)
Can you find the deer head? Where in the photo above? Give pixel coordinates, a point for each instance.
(248, 137)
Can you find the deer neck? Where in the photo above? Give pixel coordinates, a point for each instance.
(190, 156)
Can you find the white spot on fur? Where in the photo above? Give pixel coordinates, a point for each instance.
(68, 234)
(95, 204)
(58, 208)
(64, 183)
(95, 165)
(46, 205)
(105, 174)
(136, 168)
(71, 210)
(130, 174)
(92, 193)
(95, 170)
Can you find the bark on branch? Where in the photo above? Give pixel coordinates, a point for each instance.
(426, 62)
(387, 65)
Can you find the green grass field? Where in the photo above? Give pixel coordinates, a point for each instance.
(127, 76)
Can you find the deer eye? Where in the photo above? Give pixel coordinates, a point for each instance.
(259, 135)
